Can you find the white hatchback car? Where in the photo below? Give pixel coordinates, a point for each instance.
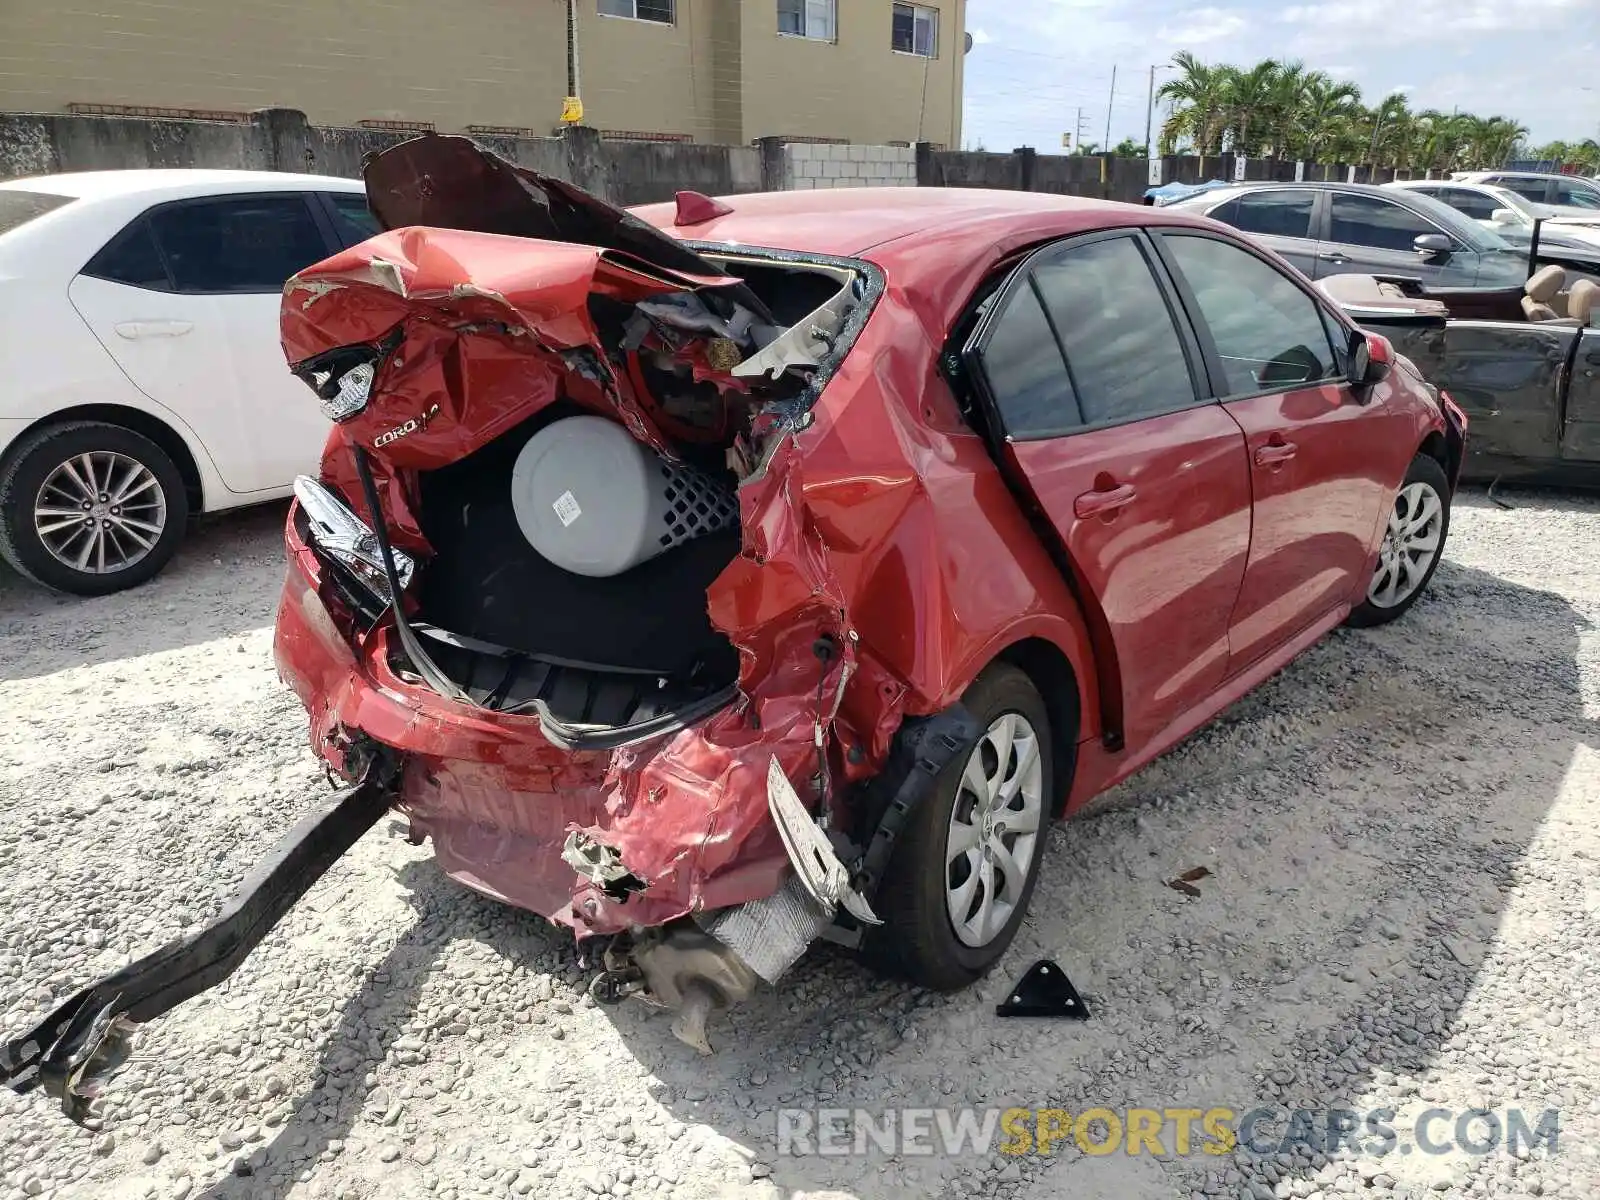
(145, 380)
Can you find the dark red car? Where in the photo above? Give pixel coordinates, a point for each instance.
(782, 566)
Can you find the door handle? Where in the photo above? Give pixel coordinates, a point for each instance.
(1094, 503)
(1275, 454)
(1333, 256)
(145, 329)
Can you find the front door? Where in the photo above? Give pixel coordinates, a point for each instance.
(1092, 377)
(1368, 235)
(1319, 488)
(186, 301)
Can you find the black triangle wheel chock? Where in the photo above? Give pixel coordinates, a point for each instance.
(1043, 991)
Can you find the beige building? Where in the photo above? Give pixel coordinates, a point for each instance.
(729, 71)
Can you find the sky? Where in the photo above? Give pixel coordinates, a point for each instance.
(1034, 63)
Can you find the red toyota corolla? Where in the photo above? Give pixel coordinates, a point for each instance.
(779, 567)
(782, 566)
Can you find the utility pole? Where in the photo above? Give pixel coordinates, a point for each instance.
(1106, 145)
(1077, 130)
(572, 109)
(1149, 117)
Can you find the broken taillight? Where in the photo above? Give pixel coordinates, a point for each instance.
(348, 540)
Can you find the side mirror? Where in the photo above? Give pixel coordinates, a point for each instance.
(1369, 358)
(1503, 216)
(1431, 244)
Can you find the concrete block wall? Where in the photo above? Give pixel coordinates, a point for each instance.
(821, 165)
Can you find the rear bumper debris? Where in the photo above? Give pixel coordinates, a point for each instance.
(74, 1051)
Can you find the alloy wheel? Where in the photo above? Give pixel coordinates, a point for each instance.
(1410, 544)
(100, 512)
(994, 830)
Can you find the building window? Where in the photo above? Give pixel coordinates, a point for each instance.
(659, 11)
(916, 30)
(807, 18)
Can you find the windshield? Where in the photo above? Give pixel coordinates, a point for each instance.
(1459, 226)
(17, 207)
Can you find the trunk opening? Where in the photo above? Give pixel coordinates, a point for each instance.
(600, 651)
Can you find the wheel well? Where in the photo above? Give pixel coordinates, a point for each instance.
(142, 423)
(1436, 448)
(1057, 683)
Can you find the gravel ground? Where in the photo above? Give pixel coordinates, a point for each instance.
(1404, 911)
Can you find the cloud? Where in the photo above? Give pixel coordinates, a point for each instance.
(980, 37)
(1205, 25)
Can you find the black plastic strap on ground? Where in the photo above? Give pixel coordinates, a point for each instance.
(77, 1047)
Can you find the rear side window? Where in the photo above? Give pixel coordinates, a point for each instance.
(352, 219)
(17, 208)
(1276, 214)
(131, 258)
(1267, 331)
(238, 244)
(1528, 189)
(1369, 221)
(1124, 354)
(1026, 372)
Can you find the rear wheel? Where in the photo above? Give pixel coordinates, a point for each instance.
(1413, 544)
(960, 881)
(90, 508)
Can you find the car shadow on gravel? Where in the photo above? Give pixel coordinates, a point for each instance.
(369, 1025)
(1365, 817)
(224, 581)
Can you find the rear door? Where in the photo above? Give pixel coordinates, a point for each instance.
(1322, 466)
(1371, 235)
(1093, 379)
(186, 300)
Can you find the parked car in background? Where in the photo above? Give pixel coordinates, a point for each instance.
(1523, 364)
(1568, 194)
(1575, 246)
(1337, 228)
(145, 381)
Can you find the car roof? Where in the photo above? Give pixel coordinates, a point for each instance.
(849, 221)
(174, 183)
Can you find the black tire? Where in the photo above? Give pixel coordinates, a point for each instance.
(1424, 472)
(37, 456)
(918, 939)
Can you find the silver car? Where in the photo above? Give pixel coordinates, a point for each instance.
(1570, 195)
(1343, 229)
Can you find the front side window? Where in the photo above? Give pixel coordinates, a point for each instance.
(1479, 206)
(813, 19)
(1577, 194)
(1369, 221)
(238, 244)
(1267, 331)
(1275, 213)
(659, 11)
(916, 30)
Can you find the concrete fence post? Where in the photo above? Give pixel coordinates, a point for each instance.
(774, 165)
(285, 139)
(1026, 157)
(586, 164)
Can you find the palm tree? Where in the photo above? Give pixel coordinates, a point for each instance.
(1283, 109)
(1199, 97)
